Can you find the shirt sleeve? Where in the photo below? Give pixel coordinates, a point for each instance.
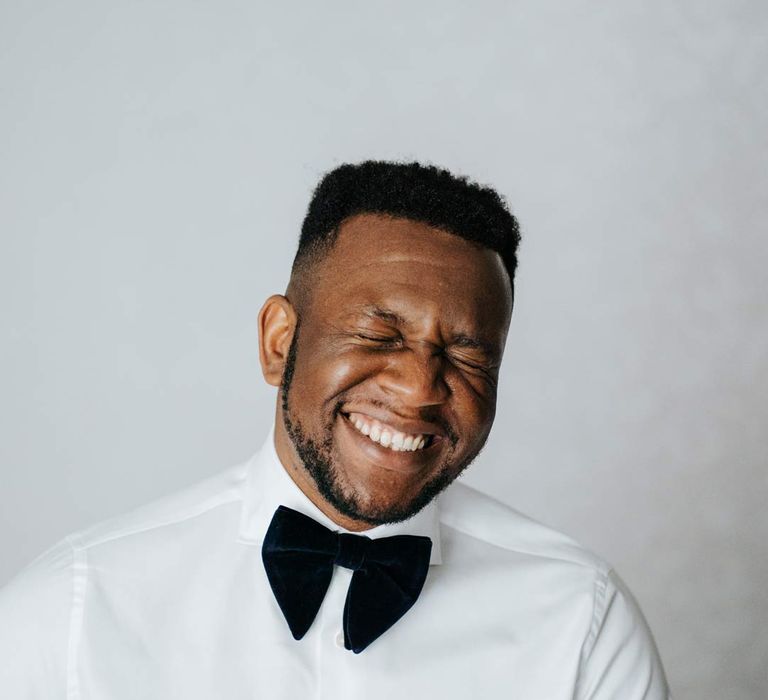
(619, 660)
(35, 613)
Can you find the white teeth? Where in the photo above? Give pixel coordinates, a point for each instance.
(391, 439)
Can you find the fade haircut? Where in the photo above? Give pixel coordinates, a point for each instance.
(413, 191)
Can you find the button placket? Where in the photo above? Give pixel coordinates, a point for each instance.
(339, 639)
(332, 610)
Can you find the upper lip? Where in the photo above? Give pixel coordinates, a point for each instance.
(411, 426)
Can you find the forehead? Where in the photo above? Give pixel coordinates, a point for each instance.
(416, 270)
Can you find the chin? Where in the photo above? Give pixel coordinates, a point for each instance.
(389, 496)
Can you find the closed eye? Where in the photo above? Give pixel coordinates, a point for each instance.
(476, 366)
(379, 339)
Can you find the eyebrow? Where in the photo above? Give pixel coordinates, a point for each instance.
(466, 341)
(387, 315)
(461, 340)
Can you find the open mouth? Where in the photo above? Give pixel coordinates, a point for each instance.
(388, 436)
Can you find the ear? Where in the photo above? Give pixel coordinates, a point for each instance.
(277, 323)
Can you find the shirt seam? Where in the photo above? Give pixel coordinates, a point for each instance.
(598, 612)
(103, 539)
(79, 586)
(595, 564)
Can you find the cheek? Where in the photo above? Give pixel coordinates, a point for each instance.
(324, 375)
(473, 411)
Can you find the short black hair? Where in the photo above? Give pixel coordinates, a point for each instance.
(423, 193)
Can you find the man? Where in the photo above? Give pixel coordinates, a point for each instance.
(325, 566)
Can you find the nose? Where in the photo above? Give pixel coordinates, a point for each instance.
(415, 376)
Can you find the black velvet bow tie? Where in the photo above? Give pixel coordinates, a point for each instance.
(389, 573)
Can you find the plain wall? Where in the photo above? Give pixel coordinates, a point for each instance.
(156, 160)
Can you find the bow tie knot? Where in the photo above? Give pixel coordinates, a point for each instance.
(351, 551)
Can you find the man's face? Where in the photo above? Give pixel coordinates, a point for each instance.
(389, 387)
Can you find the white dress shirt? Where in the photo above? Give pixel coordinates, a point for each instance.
(172, 601)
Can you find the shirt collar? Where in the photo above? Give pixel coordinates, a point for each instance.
(269, 485)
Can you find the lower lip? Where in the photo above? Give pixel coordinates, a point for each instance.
(380, 456)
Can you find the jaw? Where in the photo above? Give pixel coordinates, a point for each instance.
(379, 484)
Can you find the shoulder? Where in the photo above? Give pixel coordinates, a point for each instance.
(477, 516)
(35, 614)
(45, 580)
(155, 544)
(619, 658)
(54, 569)
(505, 550)
(203, 499)
(53, 572)
(42, 607)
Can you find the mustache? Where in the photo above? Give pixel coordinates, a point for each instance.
(427, 415)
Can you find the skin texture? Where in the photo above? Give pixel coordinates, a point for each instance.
(401, 322)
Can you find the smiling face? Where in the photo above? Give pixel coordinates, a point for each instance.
(388, 383)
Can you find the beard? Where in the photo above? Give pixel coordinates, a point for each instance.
(318, 459)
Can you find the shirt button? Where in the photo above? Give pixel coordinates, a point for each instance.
(340, 640)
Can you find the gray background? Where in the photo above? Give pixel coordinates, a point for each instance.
(155, 163)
